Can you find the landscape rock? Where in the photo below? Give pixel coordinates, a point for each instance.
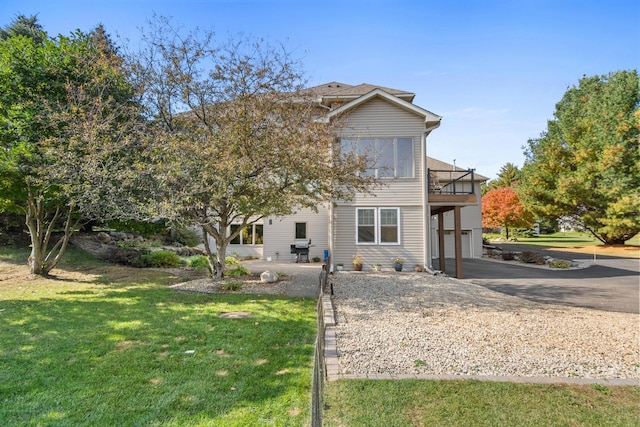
(103, 237)
(269, 277)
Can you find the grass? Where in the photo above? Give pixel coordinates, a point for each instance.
(578, 242)
(474, 403)
(108, 345)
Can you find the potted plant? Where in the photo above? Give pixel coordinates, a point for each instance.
(376, 266)
(397, 263)
(357, 262)
(339, 266)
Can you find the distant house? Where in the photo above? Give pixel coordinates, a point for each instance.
(427, 210)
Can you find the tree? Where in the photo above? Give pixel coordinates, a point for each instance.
(23, 26)
(65, 125)
(237, 138)
(502, 208)
(586, 165)
(507, 177)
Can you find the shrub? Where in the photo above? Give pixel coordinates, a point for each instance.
(523, 232)
(231, 261)
(531, 258)
(163, 259)
(199, 262)
(508, 256)
(559, 263)
(232, 286)
(186, 236)
(238, 270)
(145, 229)
(127, 256)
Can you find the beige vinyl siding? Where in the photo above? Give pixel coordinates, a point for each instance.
(410, 247)
(378, 118)
(279, 233)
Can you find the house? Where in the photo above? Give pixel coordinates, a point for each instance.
(424, 210)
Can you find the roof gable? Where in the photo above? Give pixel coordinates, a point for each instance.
(429, 117)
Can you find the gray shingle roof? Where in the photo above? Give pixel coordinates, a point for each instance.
(339, 90)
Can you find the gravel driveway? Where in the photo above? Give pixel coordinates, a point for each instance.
(413, 323)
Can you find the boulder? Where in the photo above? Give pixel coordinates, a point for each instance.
(118, 235)
(269, 277)
(103, 237)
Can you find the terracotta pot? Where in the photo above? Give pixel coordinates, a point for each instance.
(357, 267)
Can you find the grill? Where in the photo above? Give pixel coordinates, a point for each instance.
(301, 249)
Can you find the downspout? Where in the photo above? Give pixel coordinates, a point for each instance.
(426, 226)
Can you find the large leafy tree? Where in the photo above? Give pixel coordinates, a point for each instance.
(66, 120)
(502, 208)
(586, 166)
(237, 138)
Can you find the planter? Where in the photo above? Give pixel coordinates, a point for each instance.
(397, 267)
(357, 267)
(377, 267)
(339, 267)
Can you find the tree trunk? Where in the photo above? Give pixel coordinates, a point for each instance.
(41, 260)
(216, 262)
(221, 261)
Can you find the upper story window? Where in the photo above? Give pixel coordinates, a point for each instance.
(389, 157)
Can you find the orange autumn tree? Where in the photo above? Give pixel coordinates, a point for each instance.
(502, 208)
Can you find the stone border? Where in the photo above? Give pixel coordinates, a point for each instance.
(332, 366)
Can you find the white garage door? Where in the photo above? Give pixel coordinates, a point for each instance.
(449, 244)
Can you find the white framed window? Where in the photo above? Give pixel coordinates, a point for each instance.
(366, 226)
(378, 226)
(388, 157)
(250, 235)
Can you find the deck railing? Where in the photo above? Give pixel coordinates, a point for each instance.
(451, 181)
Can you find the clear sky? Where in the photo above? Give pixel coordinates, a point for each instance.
(493, 69)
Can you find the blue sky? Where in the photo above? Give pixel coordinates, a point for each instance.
(493, 69)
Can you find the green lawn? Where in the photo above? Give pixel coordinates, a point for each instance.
(576, 242)
(103, 345)
(473, 403)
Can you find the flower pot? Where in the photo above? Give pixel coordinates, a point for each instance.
(377, 267)
(397, 267)
(339, 267)
(357, 267)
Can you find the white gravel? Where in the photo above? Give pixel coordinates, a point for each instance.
(414, 323)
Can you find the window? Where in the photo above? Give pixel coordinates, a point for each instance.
(366, 221)
(389, 157)
(301, 230)
(388, 225)
(236, 240)
(258, 231)
(250, 234)
(378, 226)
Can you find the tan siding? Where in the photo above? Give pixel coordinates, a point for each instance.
(279, 233)
(410, 249)
(378, 118)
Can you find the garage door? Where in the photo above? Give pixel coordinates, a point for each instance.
(449, 244)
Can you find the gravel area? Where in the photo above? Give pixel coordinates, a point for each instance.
(251, 285)
(414, 323)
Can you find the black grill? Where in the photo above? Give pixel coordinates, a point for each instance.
(301, 249)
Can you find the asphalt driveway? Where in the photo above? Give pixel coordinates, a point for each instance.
(609, 284)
